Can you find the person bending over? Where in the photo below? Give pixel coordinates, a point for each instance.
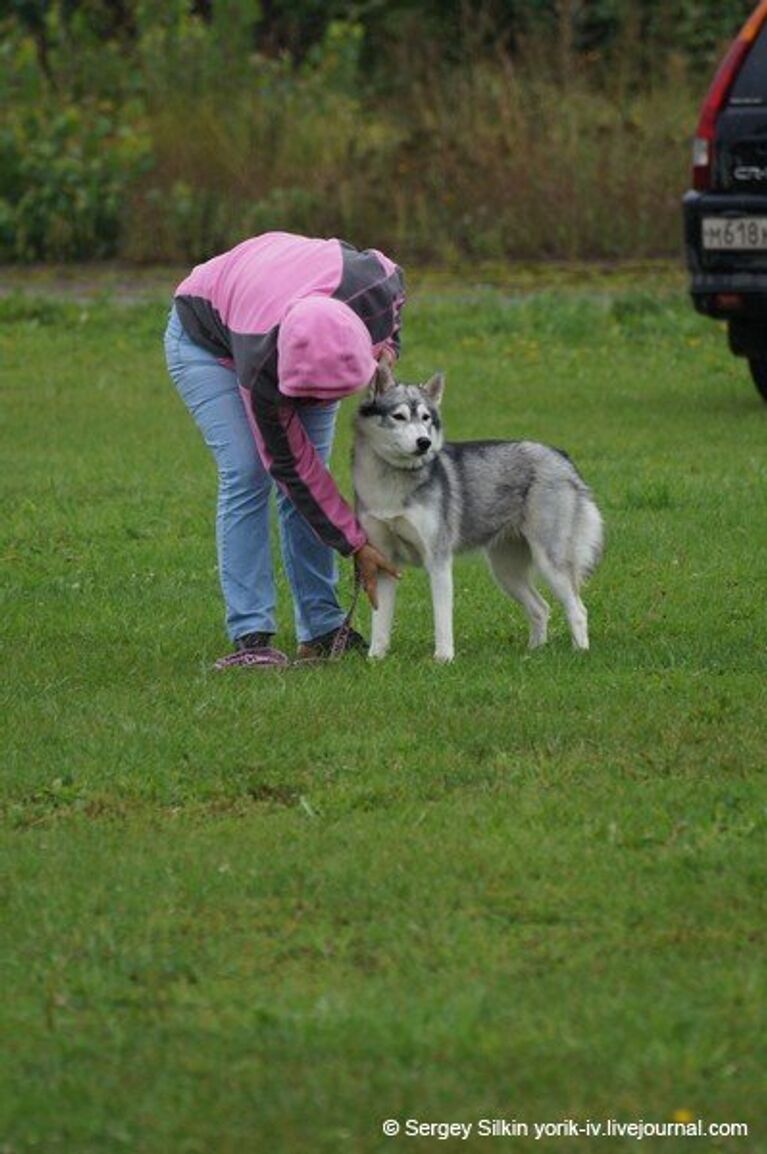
(262, 343)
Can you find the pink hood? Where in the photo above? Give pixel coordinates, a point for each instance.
(324, 350)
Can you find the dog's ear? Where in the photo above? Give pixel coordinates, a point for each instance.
(383, 379)
(434, 388)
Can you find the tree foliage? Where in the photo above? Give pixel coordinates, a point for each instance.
(696, 28)
(138, 128)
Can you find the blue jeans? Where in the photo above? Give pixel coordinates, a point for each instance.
(209, 390)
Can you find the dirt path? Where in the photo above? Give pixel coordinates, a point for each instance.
(83, 282)
(126, 283)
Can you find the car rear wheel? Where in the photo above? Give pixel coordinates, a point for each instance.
(758, 366)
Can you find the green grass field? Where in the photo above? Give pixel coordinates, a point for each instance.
(256, 911)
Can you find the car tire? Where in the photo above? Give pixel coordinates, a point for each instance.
(758, 367)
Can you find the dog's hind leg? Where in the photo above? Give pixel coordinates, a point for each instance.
(383, 616)
(510, 563)
(562, 582)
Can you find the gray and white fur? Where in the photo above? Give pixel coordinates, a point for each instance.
(421, 500)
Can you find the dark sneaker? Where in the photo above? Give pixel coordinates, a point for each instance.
(333, 644)
(253, 649)
(254, 641)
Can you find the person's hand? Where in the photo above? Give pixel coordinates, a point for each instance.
(369, 563)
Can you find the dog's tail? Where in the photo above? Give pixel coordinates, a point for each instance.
(587, 538)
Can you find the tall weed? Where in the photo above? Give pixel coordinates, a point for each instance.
(546, 153)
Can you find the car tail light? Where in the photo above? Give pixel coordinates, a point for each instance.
(703, 145)
(729, 302)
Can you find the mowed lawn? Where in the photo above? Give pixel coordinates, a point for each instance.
(256, 911)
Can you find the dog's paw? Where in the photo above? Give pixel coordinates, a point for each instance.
(444, 657)
(377, 654)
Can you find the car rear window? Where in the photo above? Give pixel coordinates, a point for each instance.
(750, 85)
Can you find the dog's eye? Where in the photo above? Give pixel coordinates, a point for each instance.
(399, 416)
(426, 418)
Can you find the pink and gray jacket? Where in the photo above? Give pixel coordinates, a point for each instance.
(235, 304)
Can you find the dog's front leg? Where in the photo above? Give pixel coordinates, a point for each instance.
(441, 579)
(383, 616)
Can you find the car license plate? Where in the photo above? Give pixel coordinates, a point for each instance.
(735, 233)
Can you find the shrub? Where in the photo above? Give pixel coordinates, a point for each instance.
(64, 173)
(167, 136)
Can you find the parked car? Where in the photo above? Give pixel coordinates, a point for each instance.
(725, 212)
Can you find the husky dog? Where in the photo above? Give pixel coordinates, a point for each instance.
(420, 500)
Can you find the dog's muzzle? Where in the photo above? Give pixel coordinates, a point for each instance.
(422, 445)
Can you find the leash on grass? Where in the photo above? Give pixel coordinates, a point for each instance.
(338, 648)
(340, 639)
